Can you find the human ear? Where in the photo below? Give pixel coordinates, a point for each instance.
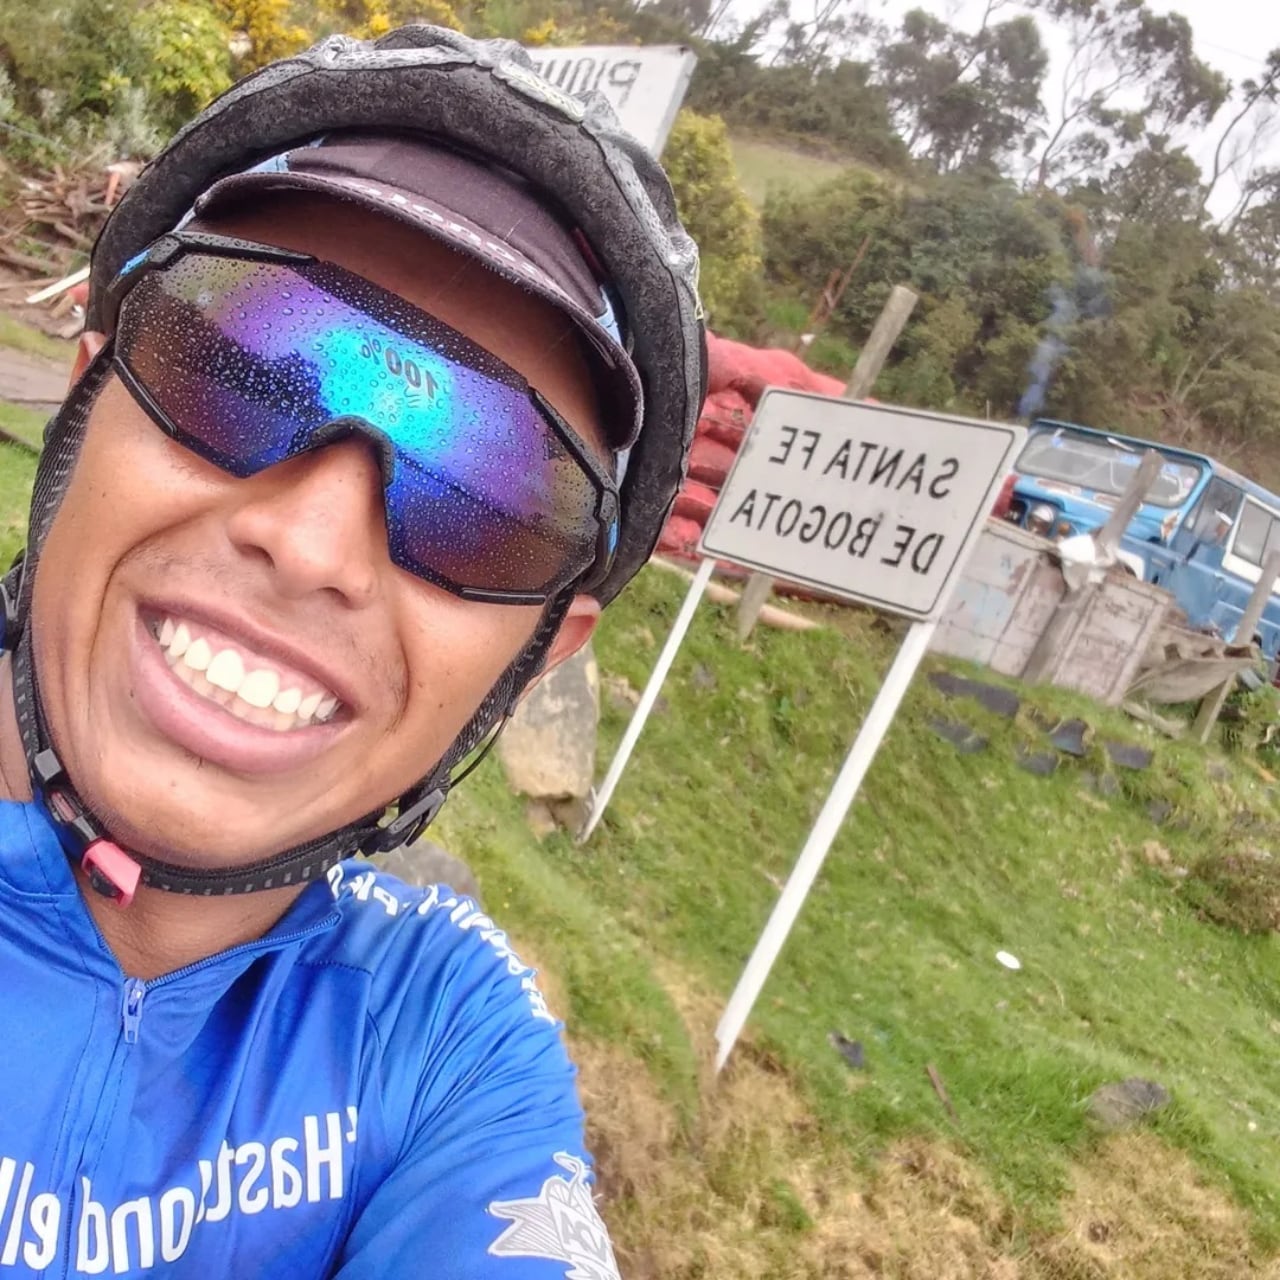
(90, 344)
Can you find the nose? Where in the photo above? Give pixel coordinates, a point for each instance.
(319, 522)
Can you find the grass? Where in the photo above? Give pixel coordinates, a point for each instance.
(764, 163)
(23, 337)
(946, 859)
(17, 472)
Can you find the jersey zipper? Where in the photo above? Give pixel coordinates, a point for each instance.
(134, 991)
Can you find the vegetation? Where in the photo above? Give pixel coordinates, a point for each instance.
(1073, 261)
(719, 217)
(946, 859)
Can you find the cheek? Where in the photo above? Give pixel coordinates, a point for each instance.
(129, 482)
(457, 650)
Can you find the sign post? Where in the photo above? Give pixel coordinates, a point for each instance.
(600, 800)
(876, 504)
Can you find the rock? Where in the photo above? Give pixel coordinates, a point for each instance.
(425, 863)
(549, 748)
(1126, 1102)
(542, 822)
(1069, 737)
(570, 814)
(963, 737)
(546, 817)
(1041, 763)
(850, 1050)
(1131, 757)
(1004, 702)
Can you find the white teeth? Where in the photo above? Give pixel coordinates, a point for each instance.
(259, 688)
(287, 701)
(198, 655)
(226, 671)
(255, 696)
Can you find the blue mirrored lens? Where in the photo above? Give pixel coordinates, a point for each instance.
(246, 360)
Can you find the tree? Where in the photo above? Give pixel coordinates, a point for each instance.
(1256, 100)
(1160, 184)
(963, 98)
(1130, 72)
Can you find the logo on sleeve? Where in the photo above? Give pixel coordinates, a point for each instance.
(560, 1224)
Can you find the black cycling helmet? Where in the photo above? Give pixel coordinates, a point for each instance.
(482, 98)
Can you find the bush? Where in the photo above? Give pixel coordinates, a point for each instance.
(1239, 890)
(123, 72)
(720, 218)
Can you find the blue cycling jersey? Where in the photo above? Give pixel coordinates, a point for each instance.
(375, 1088)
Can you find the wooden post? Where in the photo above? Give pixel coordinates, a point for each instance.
(1211, 707)
(871, 358)
(884, 334)
(1108, 537)
(1070, 607)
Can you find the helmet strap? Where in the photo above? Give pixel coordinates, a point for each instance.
(116, 872)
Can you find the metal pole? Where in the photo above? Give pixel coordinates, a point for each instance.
(914, 647)
(650, 695)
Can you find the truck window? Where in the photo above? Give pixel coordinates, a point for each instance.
(1220, 501)
(1256, 534)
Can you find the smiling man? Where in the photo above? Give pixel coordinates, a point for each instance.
(392, 362)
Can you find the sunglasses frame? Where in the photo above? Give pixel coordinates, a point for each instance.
(176, 244)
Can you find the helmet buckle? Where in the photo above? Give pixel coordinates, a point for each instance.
(111, 871)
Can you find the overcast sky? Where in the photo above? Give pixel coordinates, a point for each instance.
(1234, 36)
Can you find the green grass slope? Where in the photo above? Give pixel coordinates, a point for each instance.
(946, 859)
(763, 163)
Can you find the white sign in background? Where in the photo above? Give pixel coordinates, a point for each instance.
(644, 84)
(869, 502)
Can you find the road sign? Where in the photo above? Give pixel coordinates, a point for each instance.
(870, 502)
(644, 84)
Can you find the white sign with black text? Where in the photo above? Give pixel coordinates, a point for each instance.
(873, 503)
(645, 84)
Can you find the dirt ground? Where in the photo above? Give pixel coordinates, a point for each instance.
(32, 381)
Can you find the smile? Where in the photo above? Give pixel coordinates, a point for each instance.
(253, 688)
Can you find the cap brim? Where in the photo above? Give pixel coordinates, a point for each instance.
(617, 379)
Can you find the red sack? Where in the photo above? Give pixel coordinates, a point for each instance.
(680, 537)
(736, 366)
(724, 418)
(694, 501)
(709, 461)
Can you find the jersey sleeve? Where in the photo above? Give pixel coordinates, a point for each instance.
(492, 1182)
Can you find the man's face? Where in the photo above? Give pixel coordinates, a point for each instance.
(371, 671)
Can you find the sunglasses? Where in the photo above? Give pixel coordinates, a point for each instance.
(249, 355)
